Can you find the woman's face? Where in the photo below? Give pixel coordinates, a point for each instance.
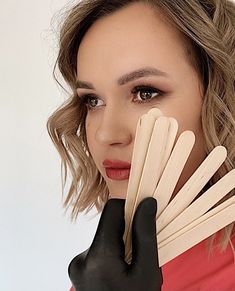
(131, 40)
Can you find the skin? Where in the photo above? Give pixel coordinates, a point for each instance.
(119, 44)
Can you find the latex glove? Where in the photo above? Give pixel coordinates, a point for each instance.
(103, 268)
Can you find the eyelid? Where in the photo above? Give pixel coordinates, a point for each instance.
(146, 86)
(84, 97)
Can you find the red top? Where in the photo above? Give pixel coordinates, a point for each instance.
(195, 270)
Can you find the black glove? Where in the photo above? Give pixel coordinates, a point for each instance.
(103, 268)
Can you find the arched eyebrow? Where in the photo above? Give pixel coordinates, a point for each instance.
(137, 74)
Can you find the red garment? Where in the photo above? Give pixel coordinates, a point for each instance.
(194, 270)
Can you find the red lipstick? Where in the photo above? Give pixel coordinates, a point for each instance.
(116, 169)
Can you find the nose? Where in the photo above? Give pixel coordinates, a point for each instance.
(114, 128)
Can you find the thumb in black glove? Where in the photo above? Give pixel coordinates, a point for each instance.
(103, 268)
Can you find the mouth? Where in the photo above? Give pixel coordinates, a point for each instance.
(117, 170)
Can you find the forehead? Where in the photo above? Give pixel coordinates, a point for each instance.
(135, 35)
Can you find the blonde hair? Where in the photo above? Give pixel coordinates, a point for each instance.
(209, 28)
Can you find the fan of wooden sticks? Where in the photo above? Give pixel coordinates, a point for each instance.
(157, 163)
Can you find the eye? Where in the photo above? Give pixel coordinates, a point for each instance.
(146, 93)
(91, 101)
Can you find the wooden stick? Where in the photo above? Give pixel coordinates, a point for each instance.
(212, 213)
(148, 164)
(138, 158)
(152, 166)
(193, 186)
(212, 221)
(155, 112)
(173, 169)
(172, 132)
(199, 207)
(143, 135)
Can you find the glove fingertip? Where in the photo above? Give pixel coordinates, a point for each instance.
(148, 206)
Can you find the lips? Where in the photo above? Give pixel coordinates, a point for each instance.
(117, 170)
(116, 164)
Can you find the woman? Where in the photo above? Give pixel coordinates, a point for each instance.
(122, 58)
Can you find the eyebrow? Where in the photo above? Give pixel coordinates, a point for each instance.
(140, 73)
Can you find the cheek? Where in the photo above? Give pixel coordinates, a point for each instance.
(190, 121)
(189, 118)
(186, 110)
(185, 103)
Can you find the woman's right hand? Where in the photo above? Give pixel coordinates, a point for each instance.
(103, 268)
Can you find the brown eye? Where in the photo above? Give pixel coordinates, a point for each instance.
(91, 101)
(145, 94)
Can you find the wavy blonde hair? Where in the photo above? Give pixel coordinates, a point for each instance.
(209, 28)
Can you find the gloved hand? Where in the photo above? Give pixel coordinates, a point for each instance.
(103, 268)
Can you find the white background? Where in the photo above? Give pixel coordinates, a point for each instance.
(37, 240)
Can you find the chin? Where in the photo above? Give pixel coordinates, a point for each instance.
(117, 189)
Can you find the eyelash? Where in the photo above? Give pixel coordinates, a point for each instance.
(141, 88)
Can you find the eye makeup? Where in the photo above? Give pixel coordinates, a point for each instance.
(153, 93)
